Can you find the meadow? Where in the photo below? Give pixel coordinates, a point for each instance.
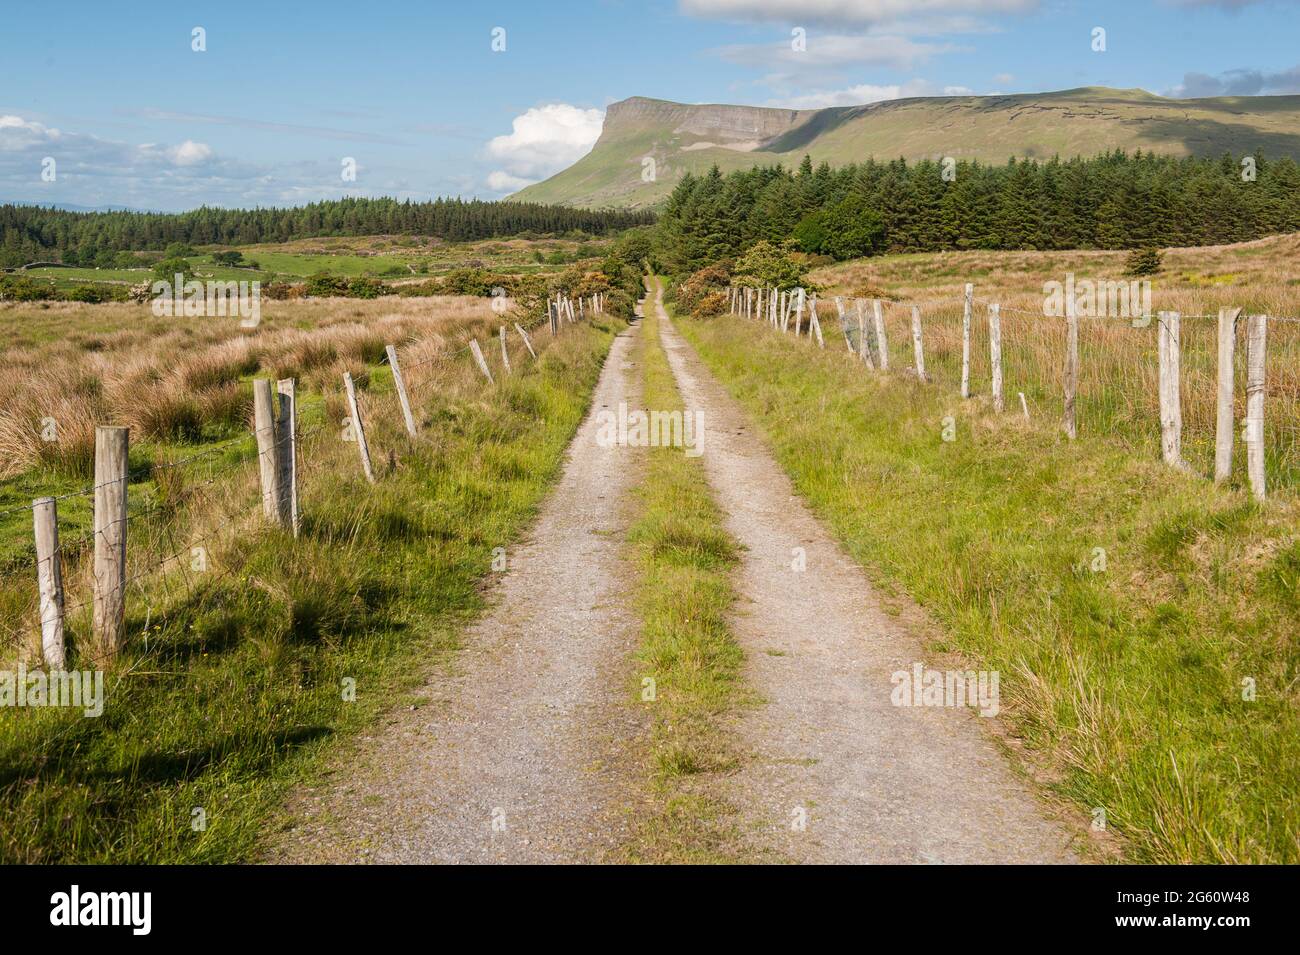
(241, 639)
(1142, 618)
(386, 258)
(1118, 364)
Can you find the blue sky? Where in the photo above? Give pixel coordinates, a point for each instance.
(414, 93)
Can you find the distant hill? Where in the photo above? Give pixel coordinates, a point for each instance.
(1078, 122)
(71, 207)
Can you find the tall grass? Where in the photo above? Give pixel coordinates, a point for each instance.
(1127, 678)
(1118, 363)
(231, 685)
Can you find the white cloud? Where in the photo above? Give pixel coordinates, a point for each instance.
(543, 141)
(1004, 79)
(499, 181)
(829, 50)
(851, 96)
(1242, 82)
(865, 93)
(190, 153)
(92, 171)
(856, 12)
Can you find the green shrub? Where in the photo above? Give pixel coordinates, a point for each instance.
(1146, 261)
(170, 267)
(697, 287)
(21, 289)
(95, 294)
(365, 288)
(324, 285)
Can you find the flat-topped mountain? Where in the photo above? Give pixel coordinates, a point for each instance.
(1078, 122)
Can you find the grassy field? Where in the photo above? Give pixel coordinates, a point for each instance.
(182, 386)
(389, 258)
(685, 594)
(233, 681)
(1118, 385)
(1130, 610)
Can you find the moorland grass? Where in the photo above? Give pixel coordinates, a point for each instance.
(233, 684)
(1130, 609)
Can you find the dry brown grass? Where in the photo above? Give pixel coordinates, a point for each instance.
(186, 379)
(1118, 363)
(181, 379)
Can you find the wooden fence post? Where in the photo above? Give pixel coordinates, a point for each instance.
(505, 352)
(864, 350)
(967, 301)
(882, 346)
(400, 384)
(552, 316)
(918, 347)
(813, 324)
(109, 622)
(1223, 423)
(844, 326)
(800, 304)
(49, 580)
(527, 341)
(286, 436)
(995, 354)
(358, 428)
(482, 362)
(1069, 420)
(1171, 408)
(268, 450)
(1256, 342)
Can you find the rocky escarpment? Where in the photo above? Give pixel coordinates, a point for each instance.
(716, 122)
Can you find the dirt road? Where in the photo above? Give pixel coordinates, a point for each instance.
(524, 752)
(521, 753)
(841, 774)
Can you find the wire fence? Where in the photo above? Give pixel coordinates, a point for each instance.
(211, 495)
(1118, 388)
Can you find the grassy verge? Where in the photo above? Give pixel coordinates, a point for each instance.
(686, 559)
(1129, 609)
(232, 689)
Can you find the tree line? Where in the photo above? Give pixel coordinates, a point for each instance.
(32, 233)
(1113, 201)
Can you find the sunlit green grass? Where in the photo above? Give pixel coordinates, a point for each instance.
(686, 559)
(1125, 681)
(231, 687)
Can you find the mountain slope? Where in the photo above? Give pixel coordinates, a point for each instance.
(1083, 122)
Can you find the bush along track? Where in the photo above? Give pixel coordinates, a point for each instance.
(228, 696)
(688, 668)
(1143, 623)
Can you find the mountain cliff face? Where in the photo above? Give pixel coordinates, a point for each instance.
(713, 122)
(646, 145)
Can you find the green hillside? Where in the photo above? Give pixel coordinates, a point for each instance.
(1086, 121)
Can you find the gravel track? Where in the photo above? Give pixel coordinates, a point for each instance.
(522, 754)
(876, 783)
